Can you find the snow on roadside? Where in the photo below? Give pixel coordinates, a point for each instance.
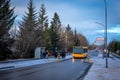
(6, 66)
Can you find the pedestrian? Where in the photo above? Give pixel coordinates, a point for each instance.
(63, 54)
(104, 53)
(55, 54)
(46, 52)
(108, 53)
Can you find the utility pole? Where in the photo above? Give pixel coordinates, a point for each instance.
(105, 3)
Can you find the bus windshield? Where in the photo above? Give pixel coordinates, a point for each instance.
(78, 50)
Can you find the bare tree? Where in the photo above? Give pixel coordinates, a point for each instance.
(83, 40)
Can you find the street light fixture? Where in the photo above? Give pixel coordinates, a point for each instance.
(100, 24)
(104, 46)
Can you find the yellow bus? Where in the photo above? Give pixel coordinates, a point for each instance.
(79, 52)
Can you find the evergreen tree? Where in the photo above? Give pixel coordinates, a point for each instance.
(43, 26)
(69, 38)
(43, 21)
(28, 36)
(56, 22)
(54, 32)
(76, 40)
(53, 38)
(6, 21)
(118, 45)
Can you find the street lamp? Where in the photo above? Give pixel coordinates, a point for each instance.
(105, 3)
(105, 32)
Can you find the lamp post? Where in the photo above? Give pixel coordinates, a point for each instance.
(105, 33)
(105, 3)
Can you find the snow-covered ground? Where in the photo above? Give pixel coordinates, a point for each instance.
(99, 72)
(18, 64)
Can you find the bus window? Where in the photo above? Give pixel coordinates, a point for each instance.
(78, 50)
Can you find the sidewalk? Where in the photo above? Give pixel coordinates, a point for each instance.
(17, 64)
(99, 72)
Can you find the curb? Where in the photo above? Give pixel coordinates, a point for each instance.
(6, 68)
(12, 61)
(83, 73)
(63, 60)
(66, 59)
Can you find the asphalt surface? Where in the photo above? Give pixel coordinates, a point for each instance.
(64, 70)
(93, 54)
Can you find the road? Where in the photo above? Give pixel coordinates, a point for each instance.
(93, 54)
(64, 70)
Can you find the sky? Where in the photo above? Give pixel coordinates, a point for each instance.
(86, 16)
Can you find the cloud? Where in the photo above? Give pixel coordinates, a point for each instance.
(68, 13)
(74, 16)
(80, 14)
(114, 11)
(111, 30)
(64, 11)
